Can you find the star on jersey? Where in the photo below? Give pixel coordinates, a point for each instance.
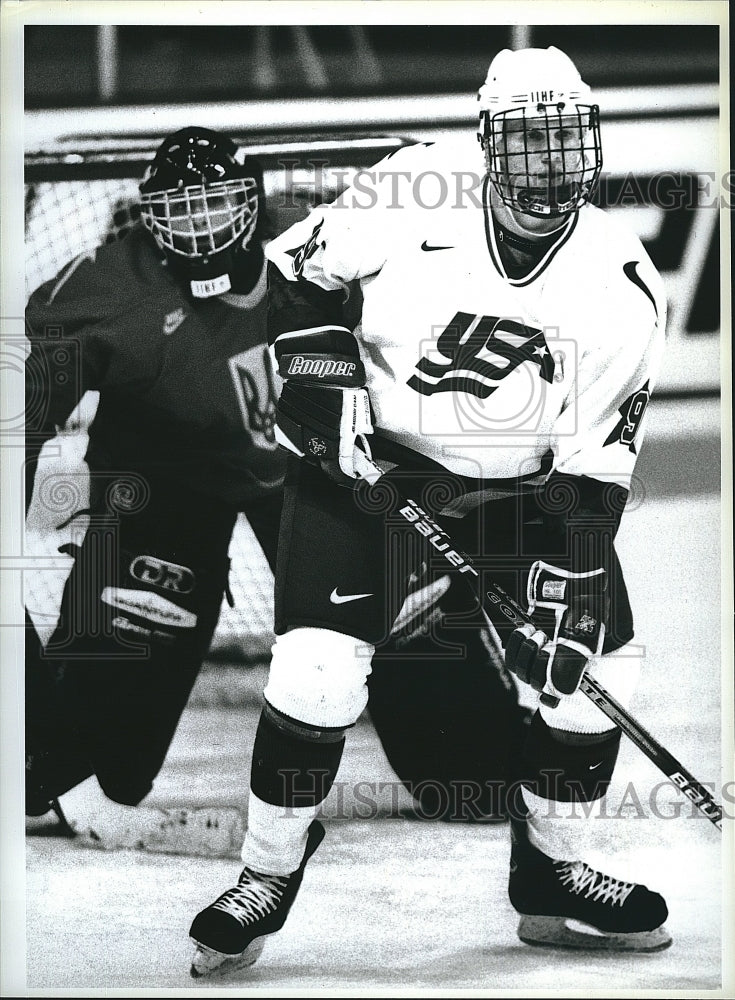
(477, 352)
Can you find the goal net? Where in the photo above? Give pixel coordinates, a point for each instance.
(80, 195)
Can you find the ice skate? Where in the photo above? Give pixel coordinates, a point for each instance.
(230, 933)
(568, 904)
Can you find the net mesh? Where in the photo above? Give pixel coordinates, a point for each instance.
(66, 218)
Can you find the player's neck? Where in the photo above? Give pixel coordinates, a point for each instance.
(250, 264)
(249, 299)
(527, 227)
(520, 248)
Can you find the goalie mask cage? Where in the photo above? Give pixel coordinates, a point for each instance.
(79, 195)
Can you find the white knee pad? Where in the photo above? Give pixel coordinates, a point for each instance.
(618, 673)
(318, 676)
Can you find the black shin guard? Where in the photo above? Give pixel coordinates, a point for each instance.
(568, 767)
(294, 764)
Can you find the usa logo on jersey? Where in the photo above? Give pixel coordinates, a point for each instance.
(478, 352)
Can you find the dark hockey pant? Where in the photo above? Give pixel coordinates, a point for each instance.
(443, 705)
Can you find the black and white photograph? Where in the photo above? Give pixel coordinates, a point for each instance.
(367, 565)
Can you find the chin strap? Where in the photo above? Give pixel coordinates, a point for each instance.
(530, 244)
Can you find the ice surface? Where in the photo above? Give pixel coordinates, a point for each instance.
(395, 903)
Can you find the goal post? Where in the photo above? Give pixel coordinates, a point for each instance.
(80, 194)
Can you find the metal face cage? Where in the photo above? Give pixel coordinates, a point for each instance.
(201, 220)
(546, 160)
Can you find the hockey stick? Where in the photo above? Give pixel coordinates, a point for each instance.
(496, 601)
(664, 761)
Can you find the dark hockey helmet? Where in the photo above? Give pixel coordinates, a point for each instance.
(202, 208)
(539, 133)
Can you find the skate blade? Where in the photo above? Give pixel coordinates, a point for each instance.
(561, 932)
(208, 962)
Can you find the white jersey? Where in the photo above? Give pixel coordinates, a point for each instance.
(482, 373)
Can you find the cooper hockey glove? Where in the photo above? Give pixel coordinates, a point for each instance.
(323, 414)
(580, 603)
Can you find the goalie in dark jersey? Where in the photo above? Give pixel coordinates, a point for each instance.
(168, 326)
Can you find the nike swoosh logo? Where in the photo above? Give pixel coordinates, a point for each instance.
(425, 246)
(593, 767)
(336, 598)
(630, 272)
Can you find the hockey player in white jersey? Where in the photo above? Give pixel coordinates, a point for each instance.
(507, 340)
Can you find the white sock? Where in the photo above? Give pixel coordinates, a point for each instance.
(275, 839)
(560, 830)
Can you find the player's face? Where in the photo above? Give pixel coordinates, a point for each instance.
(203, 223)
(542, 158)
(544, 162)
(200, 221)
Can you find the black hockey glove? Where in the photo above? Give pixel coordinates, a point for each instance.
(580, 603)
(323, 414)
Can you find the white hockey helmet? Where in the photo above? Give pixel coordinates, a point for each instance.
(540, 132)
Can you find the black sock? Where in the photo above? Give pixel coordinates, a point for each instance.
(294, 764)
(568, 767)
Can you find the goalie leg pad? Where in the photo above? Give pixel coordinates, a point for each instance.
(318, 677)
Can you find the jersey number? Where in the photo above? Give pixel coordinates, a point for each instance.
(631, 414)
(478, 352)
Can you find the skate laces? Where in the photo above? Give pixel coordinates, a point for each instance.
(579, 878)
(254, 896)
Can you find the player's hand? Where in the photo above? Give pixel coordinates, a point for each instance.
(324, 414)
(326, 426)
(555, 666)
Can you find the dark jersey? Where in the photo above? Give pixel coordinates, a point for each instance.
(186, 389)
